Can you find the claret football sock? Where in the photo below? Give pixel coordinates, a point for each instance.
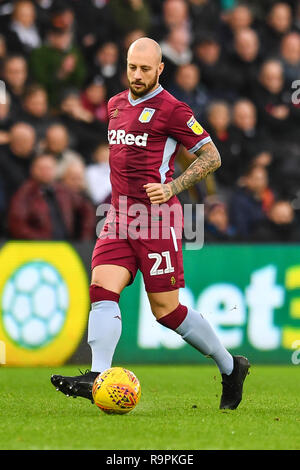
(104, 329)
(197, 332)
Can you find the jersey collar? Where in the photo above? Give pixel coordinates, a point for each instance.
(145, 97)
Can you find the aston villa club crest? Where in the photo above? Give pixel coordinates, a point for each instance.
(146, 115)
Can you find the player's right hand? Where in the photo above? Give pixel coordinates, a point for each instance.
(158, 193)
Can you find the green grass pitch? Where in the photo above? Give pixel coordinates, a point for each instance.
(178, 410)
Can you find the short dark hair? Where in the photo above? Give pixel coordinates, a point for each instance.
(252, 167)
(32, 89)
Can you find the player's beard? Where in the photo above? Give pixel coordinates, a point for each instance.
(145, 88)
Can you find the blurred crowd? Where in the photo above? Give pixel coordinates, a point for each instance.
(235, 63)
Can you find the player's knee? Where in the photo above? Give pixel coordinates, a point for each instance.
(163, 303)
(99, 293)
(113, 278)
(160, 308)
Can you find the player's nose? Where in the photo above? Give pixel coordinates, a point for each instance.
(137, 75)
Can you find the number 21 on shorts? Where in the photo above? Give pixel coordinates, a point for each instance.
(156, 270)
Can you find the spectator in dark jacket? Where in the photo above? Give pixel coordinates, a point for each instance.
(84, 129)
(88, 16)
(15, 76)
(216, 73)
(250, 136)
(217, 227)
(174, 15)
(23, 34)
(237, 18)
(16, 157)
(44, 209)
(220, 128)
(57, 142)
(106, 64)
(73, 177)
(204, 14)
(273, 103)
(280, 226)
(250, 202)
(290, 57)
(245, 61)
(35, 109)
(187, 87)
(278, 23)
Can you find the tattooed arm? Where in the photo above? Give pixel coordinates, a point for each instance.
(208, 160)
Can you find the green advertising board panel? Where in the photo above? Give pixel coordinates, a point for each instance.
(249, 293)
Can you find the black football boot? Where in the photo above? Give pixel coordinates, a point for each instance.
(233, 383)
(76, 386)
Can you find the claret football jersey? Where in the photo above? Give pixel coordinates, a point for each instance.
(144, 136)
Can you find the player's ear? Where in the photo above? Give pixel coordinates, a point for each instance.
(160, 68)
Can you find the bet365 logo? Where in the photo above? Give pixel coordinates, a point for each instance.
(241, 314)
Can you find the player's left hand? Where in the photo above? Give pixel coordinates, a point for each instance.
(158, 193)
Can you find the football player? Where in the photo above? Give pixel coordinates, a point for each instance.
(146, 126)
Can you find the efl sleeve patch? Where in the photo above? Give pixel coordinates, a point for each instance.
(184, 128)
(195, 126)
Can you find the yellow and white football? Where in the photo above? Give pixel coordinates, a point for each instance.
(116, 390)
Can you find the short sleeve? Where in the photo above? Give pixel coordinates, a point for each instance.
(185, 129)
